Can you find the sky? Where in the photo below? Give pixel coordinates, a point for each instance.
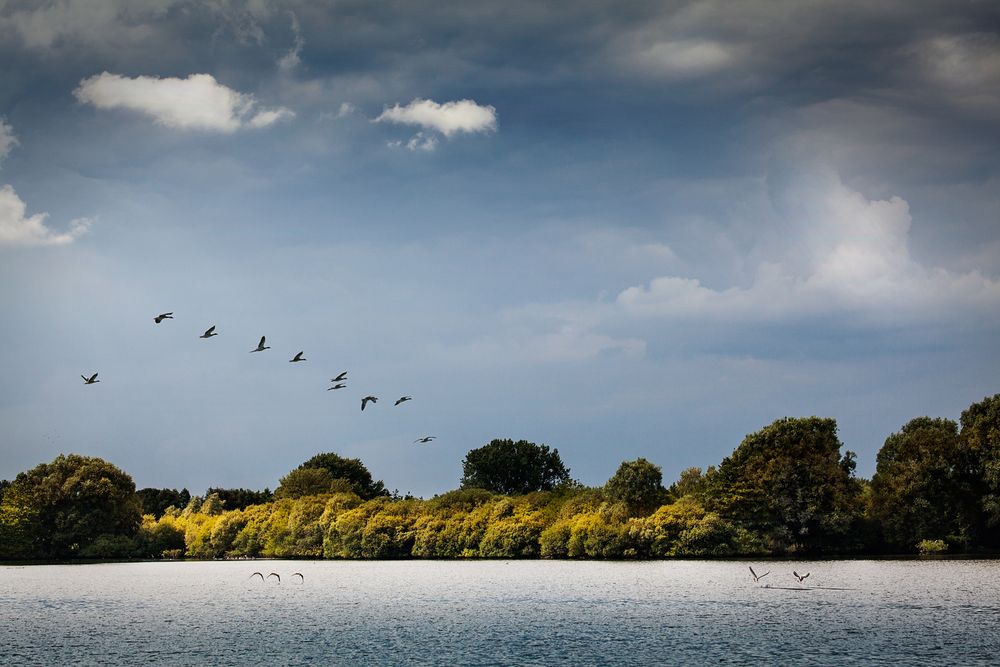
(619, 229)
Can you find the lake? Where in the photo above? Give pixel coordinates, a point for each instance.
(501, 613)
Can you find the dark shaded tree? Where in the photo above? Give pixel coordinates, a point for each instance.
(638, 484)
(508, 467)
(156, 501)
(353, 471)
(237, 499)
(789, 483)
(918, 491)
(56, 510)
(4, 483)
(980, 437)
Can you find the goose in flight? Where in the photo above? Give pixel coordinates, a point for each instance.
(163, 316)
(90, 380)
(299, 575)
(403, 399)
(339, 378)
(209, 332)
(339, 385)
(801, 577)
(260, 346)
(758, 577)
(274, 574)
(257, 574)
(424, 440)
(366, 399)
(298, 357)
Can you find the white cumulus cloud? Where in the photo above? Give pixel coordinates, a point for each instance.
(198, 102)
(845, 253)
(448, 118)
(18, 229)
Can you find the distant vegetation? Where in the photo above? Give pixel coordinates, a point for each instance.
(788, 489)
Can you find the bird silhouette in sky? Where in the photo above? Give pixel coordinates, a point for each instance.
(403, 399)
(339, 378)
(366, 400)
(209, 332)
(90, 380)
(339, 385)
(298, 357)
(424, 440)
(260, 346)
(163, 316)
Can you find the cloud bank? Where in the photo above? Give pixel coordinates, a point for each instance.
(198, 102)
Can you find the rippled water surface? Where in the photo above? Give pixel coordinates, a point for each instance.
(500, 613)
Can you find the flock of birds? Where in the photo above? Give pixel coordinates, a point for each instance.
(302, 579)
(339, 382)
(758, 577)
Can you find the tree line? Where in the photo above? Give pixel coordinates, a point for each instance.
(787, 489)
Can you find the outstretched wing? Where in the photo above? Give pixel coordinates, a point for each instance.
(210, 330)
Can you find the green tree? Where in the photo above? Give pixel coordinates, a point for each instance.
(304, 482)
(917, 492)
(981, 441)
(508, 467)
(57, 509)
(156, 501)
(237, 499)
(638, 484)
(789, 483)
(351, 470)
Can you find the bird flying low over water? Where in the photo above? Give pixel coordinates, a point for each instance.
(299, 575)
(260, 346)
(339, 385)
(339, 378)
(365, 401)
(298, 357)
(274, 574)
(424, 440)
(403, 399)
(90, 380)
(758, 577)
(163, 316)
(801, 577)
(257, 574)
(209, 332)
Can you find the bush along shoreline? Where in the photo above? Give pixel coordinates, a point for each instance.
(787, 490)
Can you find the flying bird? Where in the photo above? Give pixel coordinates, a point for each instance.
(403, 399)
(424, 440)
(365, 400)
(163, 316)
(299, 575)
(260, 346)
(257, 574)
(274, 574)
(339, 378)
(298, 357)
(209, 332)
(90, 380)
(800, 577)
(339, 385)
(758, 577)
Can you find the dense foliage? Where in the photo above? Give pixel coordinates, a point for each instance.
(505, 466)
(787, 489)
(67, 508)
